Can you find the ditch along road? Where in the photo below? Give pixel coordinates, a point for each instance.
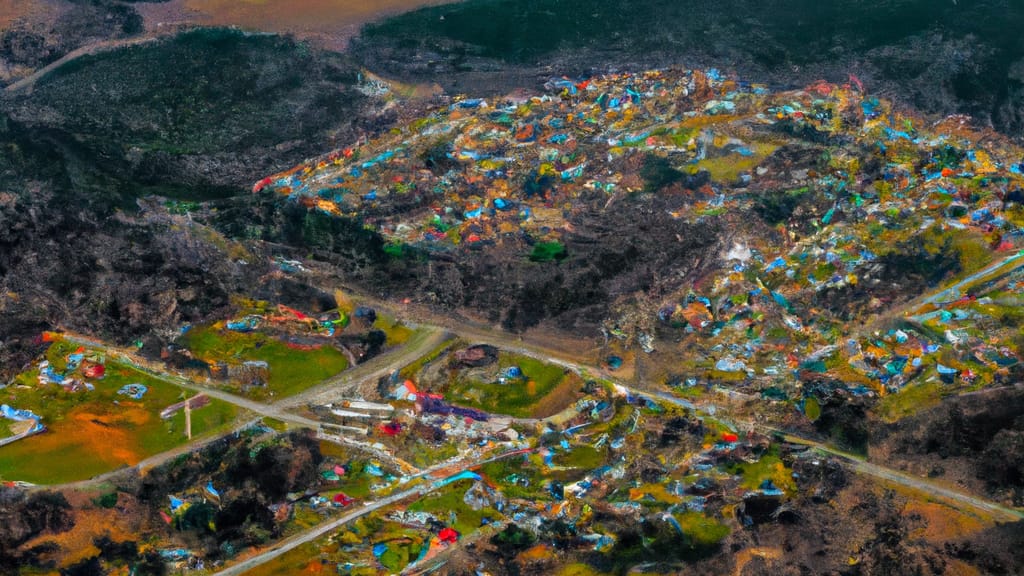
(289, 544)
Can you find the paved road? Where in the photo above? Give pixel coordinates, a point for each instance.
(29, 82)
(1011, 262)
(294, 542)
(148, 463)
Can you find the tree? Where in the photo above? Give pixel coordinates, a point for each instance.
(199, 518)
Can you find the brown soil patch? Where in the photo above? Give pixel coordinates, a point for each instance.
(14, 10)
(314, 567)
(743, 557)
(91, 522)
(332, 21)
(97, 436)
(539, 552)
(959, 568)
(563, 396)
(942, 523)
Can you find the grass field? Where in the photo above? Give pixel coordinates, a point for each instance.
(397, 333)
(291, 370)
(93, 432)
(323, 556)
(448, 502)
(912, 399)
(521, 399)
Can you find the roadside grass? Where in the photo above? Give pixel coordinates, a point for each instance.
(769, 467)
(293, 562)
(909, 401)
(396, 332)
(412, 370)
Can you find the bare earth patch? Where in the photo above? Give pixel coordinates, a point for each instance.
(331, 22)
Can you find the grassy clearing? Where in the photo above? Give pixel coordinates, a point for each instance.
(909, 401)
(294, 562)
(291, 370)
(449, 501)
(728, 168)
(530, 484)
(93, 432)
(701, 530)
(397, 333)
(579, 569)
(583, 457)
(519, 398)
(769, 467)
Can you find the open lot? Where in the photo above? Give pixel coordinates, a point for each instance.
(90, 432)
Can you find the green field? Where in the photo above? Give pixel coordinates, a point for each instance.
(520, 398)
(291, 370)
(93, 432)
(448, 501)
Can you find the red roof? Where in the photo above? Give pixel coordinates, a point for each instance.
(448, 535)
(94, 371)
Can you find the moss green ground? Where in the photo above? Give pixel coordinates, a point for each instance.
(93, 432)
(769, 467)
(291, 370)
(517, 398)
(909, 401)
(449, 501)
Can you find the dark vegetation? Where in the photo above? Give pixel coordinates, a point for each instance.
(251, 475)
(899, 275)
(197, 116)
(33, 44)
(939, 57)
(25, 516)
(982, 434)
